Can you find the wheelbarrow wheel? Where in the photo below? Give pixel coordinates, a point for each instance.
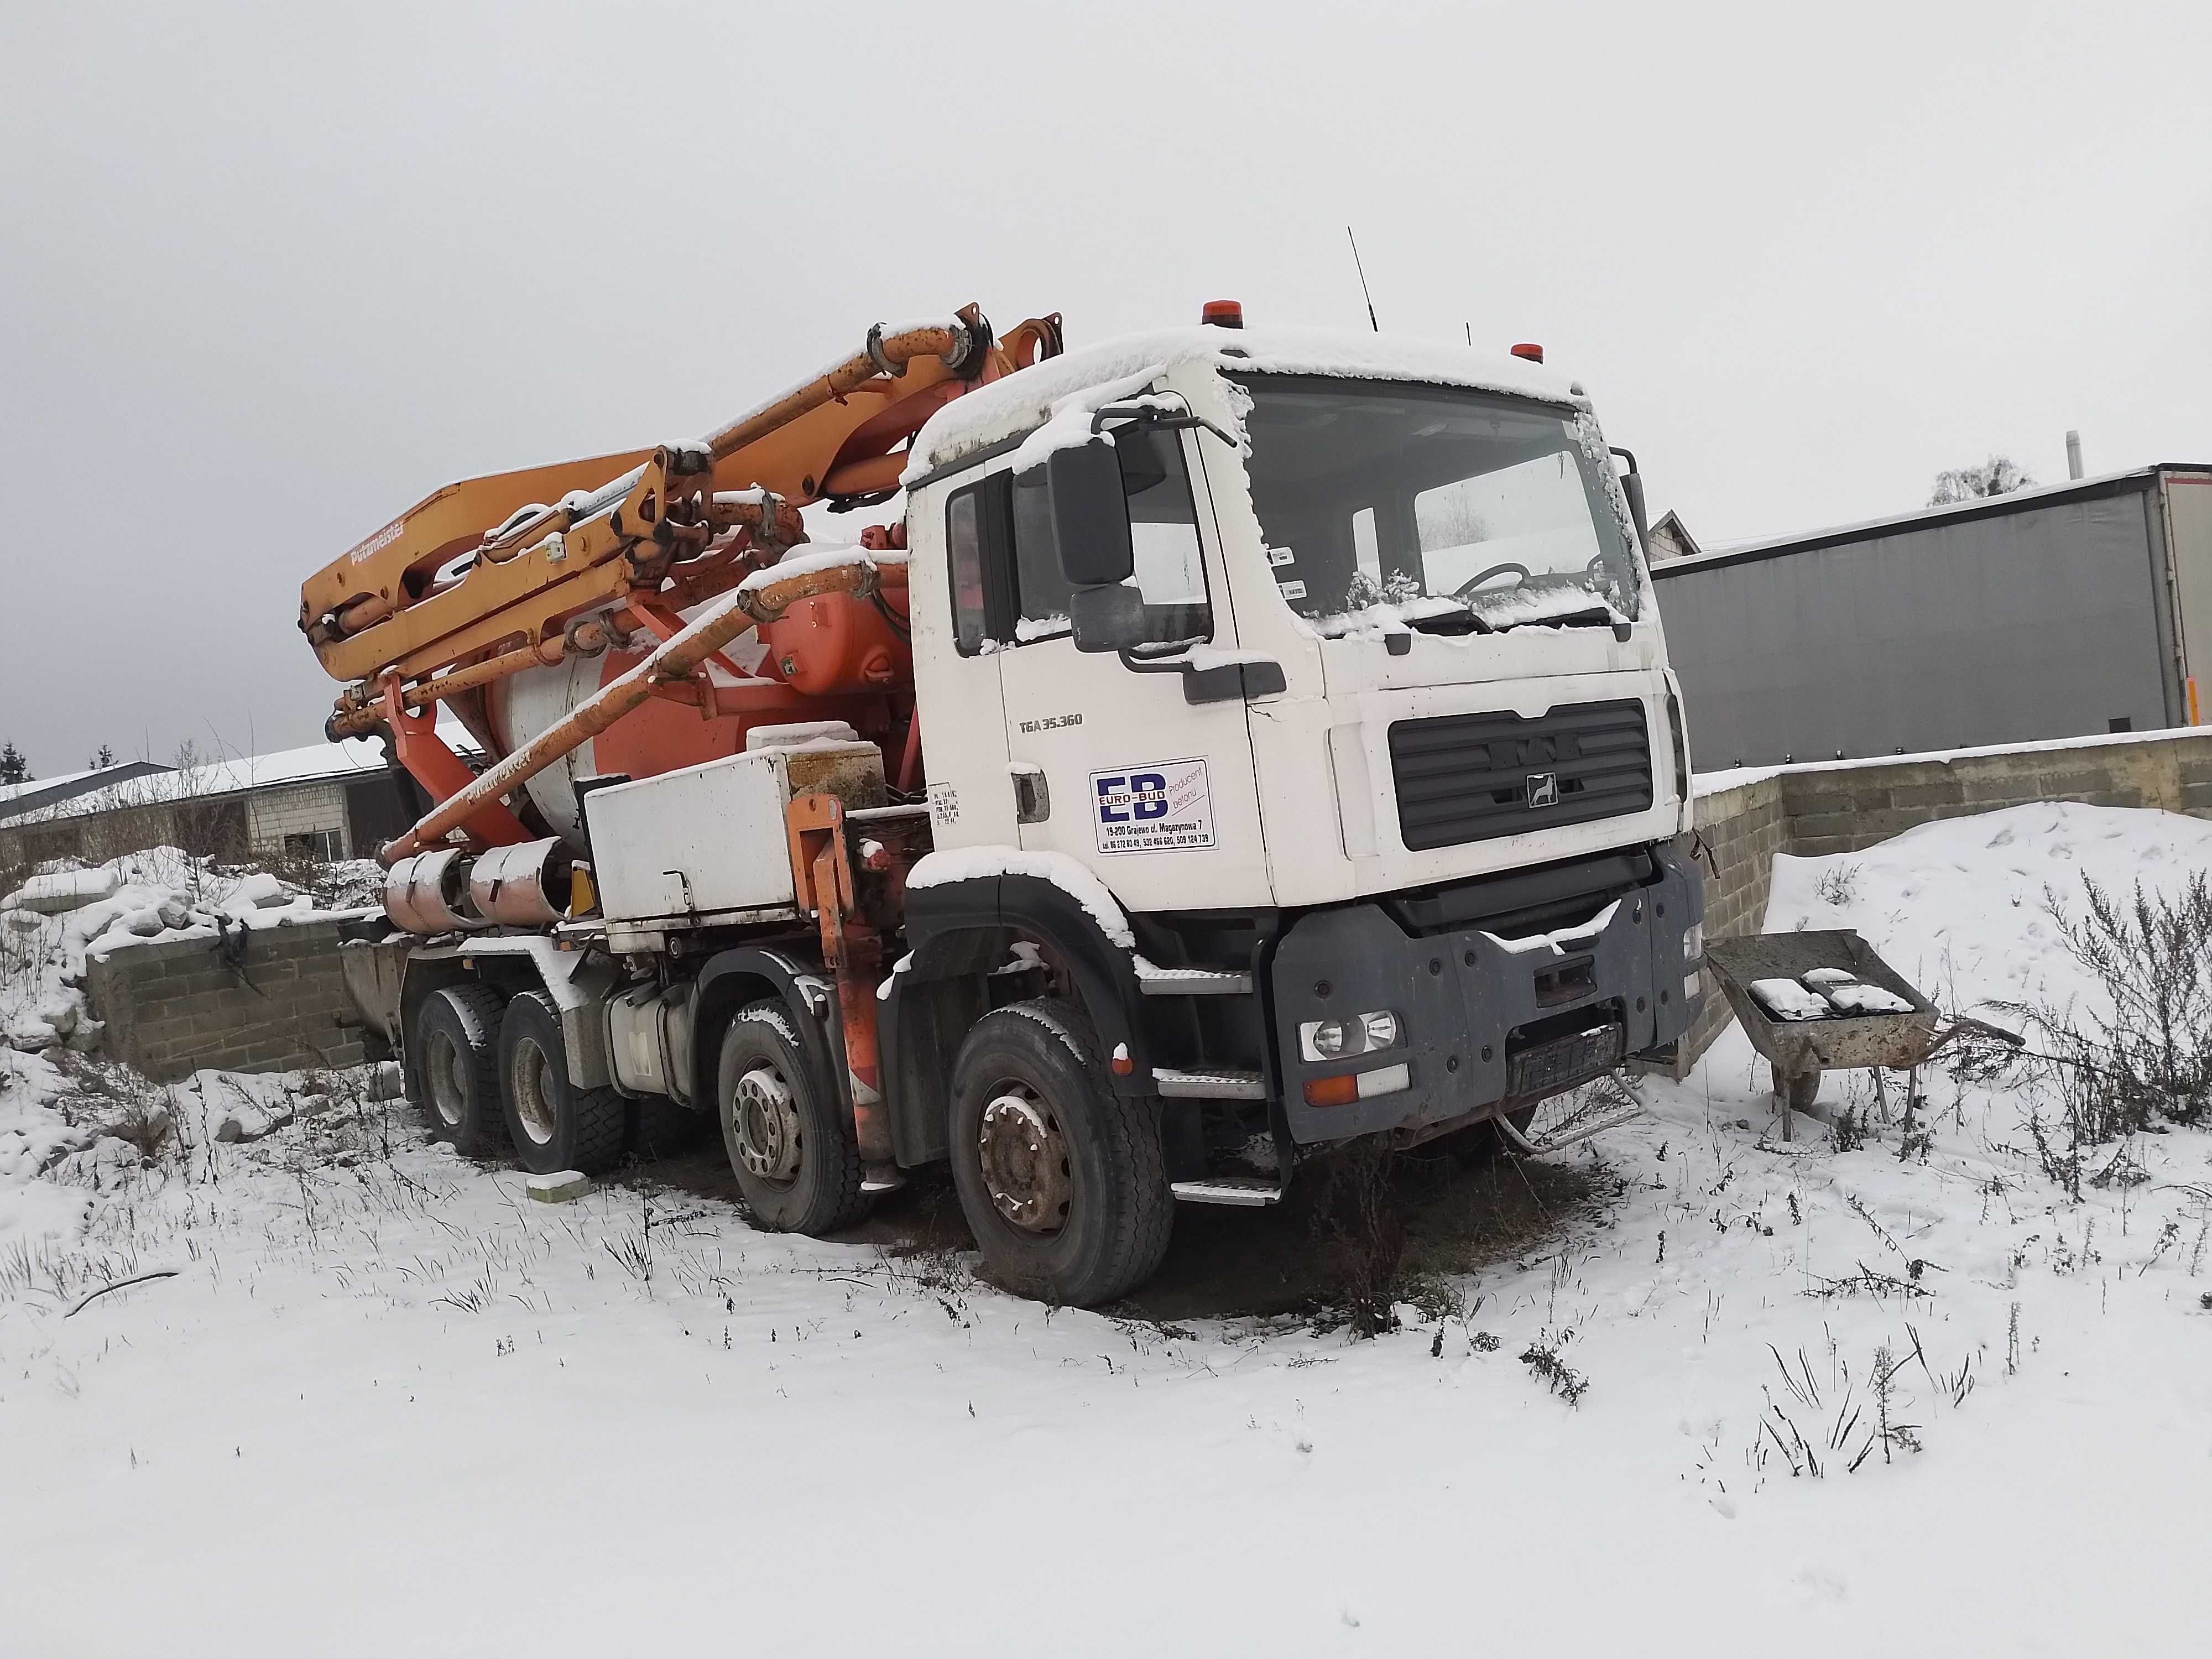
(1800, 1089)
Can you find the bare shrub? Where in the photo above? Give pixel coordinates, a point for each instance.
(1358, 1227)
(1543, 1361)
(1838, 884)
(2151, 1055)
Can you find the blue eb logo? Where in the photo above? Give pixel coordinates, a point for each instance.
(1144, 795)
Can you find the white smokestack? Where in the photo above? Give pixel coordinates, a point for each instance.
(2073, 454)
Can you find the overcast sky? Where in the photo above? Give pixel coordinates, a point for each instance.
(270, 274)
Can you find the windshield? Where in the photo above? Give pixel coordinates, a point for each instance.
(1457, 510)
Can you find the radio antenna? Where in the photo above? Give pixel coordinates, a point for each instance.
(1362, 270)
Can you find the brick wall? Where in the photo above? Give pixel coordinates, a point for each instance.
(298, 810)
(1846, 807)
(1743, 829)
(172, 1008)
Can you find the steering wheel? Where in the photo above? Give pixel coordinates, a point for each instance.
(1477, 581)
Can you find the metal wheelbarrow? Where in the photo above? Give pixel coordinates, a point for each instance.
(1800, 1050)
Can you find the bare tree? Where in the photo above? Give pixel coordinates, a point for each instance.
(1997, 476)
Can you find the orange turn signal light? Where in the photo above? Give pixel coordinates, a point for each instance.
(1333, 1091)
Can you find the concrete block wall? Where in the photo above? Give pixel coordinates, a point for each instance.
(1846, 806)
(1743, 829)
(172, 1008)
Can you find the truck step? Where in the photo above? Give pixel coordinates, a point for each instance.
(1214, 1084)
(1154, 980)
(1250, 1191)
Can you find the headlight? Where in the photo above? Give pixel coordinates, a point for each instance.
(1339, 1039)
(1693, 942)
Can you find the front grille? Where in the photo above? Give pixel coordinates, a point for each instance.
(1471, 777)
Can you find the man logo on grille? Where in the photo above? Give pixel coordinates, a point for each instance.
(1543, 789)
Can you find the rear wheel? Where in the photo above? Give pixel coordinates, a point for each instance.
(1062, 1180)
(789, 1137)
(453, 1068)
(555, 1126)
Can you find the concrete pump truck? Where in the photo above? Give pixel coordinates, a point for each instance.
(1241, 742)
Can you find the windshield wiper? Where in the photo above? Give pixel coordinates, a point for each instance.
(1466, 619)
(1591, 613)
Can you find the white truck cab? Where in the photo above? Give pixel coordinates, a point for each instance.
(1333, 660)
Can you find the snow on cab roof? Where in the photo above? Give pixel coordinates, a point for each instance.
(1025, 399)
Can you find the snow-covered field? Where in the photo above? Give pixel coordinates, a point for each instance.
(386, 1404)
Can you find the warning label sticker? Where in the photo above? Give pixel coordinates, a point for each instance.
(1165, 806)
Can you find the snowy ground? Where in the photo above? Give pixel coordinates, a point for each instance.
(387, 1404)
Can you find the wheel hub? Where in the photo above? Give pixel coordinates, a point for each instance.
(443, 1064)
(530, 1105)
(1024, 1159)
(767, 1121)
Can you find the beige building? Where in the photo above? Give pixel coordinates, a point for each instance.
(323, 803)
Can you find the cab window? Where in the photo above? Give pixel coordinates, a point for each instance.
(1005, 578)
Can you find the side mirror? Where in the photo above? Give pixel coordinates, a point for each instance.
(1106, 618)
(1089, 514)
(1632, 487)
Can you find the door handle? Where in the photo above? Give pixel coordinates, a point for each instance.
(1032, 796)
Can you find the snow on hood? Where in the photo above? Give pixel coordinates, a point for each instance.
(1029, 398)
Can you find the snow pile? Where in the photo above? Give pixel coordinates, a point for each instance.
(361, 1330)
(1785, 998)
(56, 890)
(1854, 999)
(149, 897)
(1959, 907)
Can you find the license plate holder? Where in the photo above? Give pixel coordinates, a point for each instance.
(1548, 1068)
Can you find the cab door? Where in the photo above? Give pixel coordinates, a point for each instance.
(956, 665)
(1116, 768)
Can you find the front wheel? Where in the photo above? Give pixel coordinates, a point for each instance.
(1062, 1180)
(789, 1138)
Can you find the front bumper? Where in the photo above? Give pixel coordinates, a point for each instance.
(1487, 1024)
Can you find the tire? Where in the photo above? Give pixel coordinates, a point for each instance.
(789, 1137)
(554, 1125)
(1482, 1143)
(452, 1068)
(661, 1128)
(1082, 1228)
(1804, 1088)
